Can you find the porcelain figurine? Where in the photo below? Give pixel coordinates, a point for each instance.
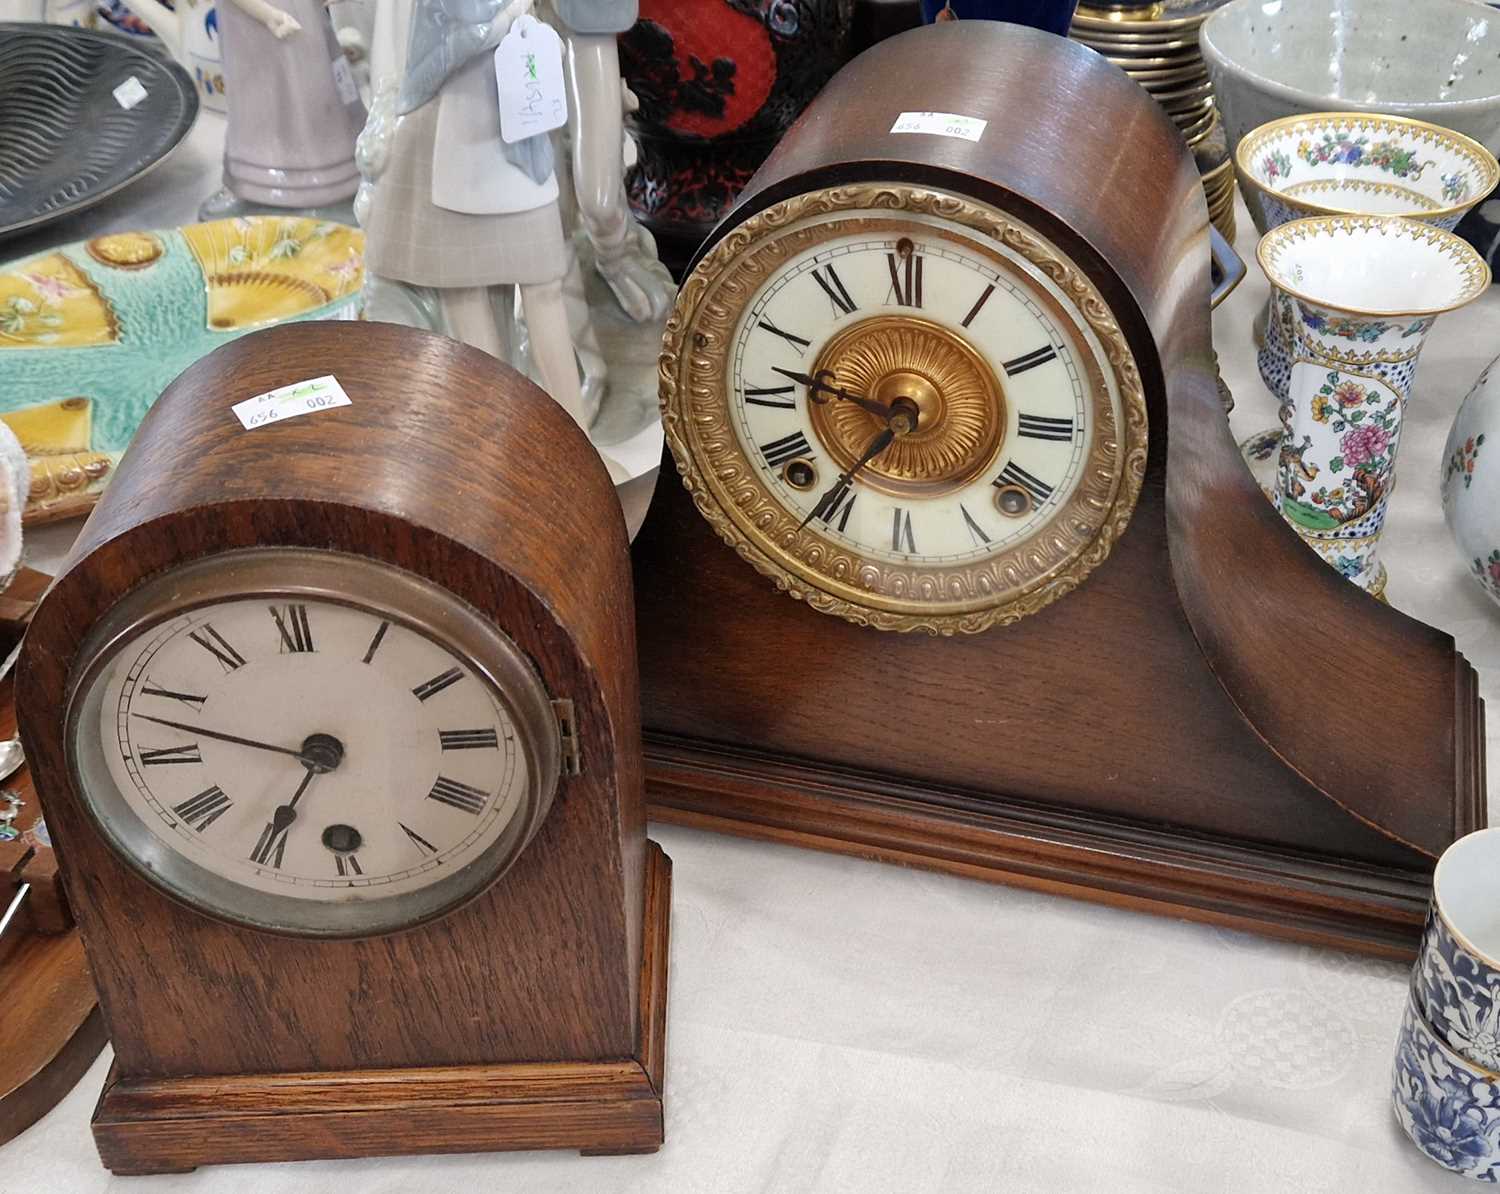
(78, 13)
(190, 32)
(1471, 481)
(1364, 292)
(624, 253)
(451, 210)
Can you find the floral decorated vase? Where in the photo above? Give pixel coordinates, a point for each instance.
(1353, 163)
(188, 28)
(719, 82)
(1471, 481)
(1449, 1106)
(1363, 292)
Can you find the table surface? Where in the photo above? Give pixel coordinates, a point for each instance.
(823, 1036)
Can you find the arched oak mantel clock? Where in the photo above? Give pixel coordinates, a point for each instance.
(965, 571)
(335, 722)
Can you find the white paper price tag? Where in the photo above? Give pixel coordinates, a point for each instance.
(343, 79)
(940, 124)
(129, 93)
(529, 73)
(287, 402)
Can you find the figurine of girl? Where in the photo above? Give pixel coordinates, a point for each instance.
(452, 208)
(294, 107)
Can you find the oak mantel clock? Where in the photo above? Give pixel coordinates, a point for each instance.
(335, 721)
(965, 571)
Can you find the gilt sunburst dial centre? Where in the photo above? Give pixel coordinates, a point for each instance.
(959, 404)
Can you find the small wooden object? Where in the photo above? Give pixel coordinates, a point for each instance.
(532, 1016)
(1153, 739)
(53, 1029)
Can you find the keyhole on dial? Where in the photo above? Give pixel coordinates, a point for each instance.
(342, 839)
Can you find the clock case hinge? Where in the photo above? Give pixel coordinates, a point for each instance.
(567, 730)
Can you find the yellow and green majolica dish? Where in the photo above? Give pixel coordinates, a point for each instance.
(91, 333)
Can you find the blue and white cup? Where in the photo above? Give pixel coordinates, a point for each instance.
(1448, 1105)
(1456, 980)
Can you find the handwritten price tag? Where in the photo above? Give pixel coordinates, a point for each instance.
(529, 73)
(940, 124)
(287, 402)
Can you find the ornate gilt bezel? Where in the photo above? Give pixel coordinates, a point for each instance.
(727, 490)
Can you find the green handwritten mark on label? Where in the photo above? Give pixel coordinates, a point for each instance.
(289, 401)
(531, 66)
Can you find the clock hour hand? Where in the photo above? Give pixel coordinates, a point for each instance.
(818, 385)
(272, 842)
(299, 755)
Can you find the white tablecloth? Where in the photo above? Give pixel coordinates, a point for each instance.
(837, 1025)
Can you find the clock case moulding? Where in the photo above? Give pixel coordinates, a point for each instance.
(1162, 738)
(533, 1016)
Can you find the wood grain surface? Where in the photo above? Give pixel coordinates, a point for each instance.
(1150, 736)
(53, 1029)
(158, 1125)
(451, 466)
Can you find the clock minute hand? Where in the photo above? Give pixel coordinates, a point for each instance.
(877, 445)
(222, 737)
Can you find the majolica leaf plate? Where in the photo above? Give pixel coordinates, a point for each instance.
(91, 333)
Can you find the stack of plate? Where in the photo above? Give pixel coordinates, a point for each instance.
(1156, 44)
(1217, 167)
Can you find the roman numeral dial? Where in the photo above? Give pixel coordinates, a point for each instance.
(315, 752)
(1018, 443)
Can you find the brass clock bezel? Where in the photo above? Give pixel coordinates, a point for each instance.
(404, 598)
(730, 494)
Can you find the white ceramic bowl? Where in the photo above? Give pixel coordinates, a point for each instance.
(1351, 163)
(1431, 60)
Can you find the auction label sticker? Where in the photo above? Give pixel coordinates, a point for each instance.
(287, 402)
(940, 124)
(129, 93)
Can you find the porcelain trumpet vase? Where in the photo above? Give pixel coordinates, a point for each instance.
(1352, 163)
(1360, 294)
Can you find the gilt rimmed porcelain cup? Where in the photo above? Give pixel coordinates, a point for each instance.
(1362, 293)
(1456, 980)
(1448, 1105)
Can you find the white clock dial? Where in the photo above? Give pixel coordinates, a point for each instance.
(307, 760)
(1017, 473)
(424, 771)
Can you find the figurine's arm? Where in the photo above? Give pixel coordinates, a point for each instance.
(623, 254)
(599, 138)
(280, 22)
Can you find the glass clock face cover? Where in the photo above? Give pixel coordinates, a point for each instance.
(922, 418)
(301, 758)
